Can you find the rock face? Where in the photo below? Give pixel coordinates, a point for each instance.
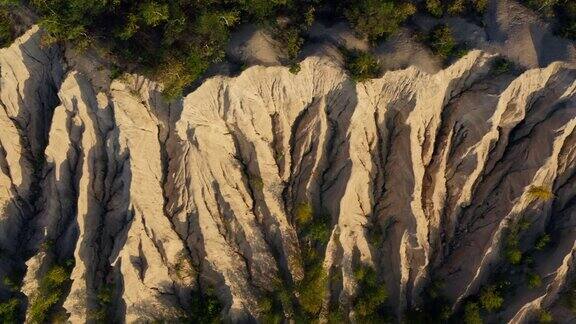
(147, 202)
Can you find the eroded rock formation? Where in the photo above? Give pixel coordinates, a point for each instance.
(151, 200)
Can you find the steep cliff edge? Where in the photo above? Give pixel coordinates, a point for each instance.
(142, 203)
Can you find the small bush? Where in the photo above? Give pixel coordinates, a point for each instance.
(275, 304)
(442, 42)
(5, 29)
(534, 280)
(501, 66)
(9, 311)
(434, 7)
(457, 7)
(540, 193)
(319, 231)
(378, 18)
(205, 307)
(545, 317)
(542, 242)
(512, 251)
(569, 297)
(11, 283)
(371, 293)
(362, 66)
(311, 289)
(304, 214)
(294, 68)
(514, 256)
(256, 183)
(183, 267)
(472, 314)
(292, 42)
(491, 299)
(177, 72)
(50, 291)
(153, 13)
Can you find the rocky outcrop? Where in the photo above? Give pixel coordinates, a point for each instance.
(146, 201)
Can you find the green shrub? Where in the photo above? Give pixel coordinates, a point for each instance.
(9, 310)
(371, 293)
(49, 293)
(294, 68)
(205, 307)
(292, 42)
(534, 280)
(377, 18)
(434, 7)
(457, 7)
(5, 28)
(319, 231)
(542, 242)
(442, 42)
(178, 72)
(512, 251)
(362, 66)
(276, 303)
(501, 66)
(569, 297)
(545, 317)
(311, 289)
(153, 13)
(545, 7)
(514, 256)
(256, 183)
(304, 214)
(480, 5)
(472, 314)
(11, 283)
(490, 299)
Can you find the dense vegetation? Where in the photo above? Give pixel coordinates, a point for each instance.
(6, 23)
(10, 308)
(51, 290)
(438, 8)
(562, 11)
(302, 300)
(189, 36)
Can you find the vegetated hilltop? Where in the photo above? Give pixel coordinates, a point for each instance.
(175, 42)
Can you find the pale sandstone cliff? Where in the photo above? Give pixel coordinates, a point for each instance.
(156, 199)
